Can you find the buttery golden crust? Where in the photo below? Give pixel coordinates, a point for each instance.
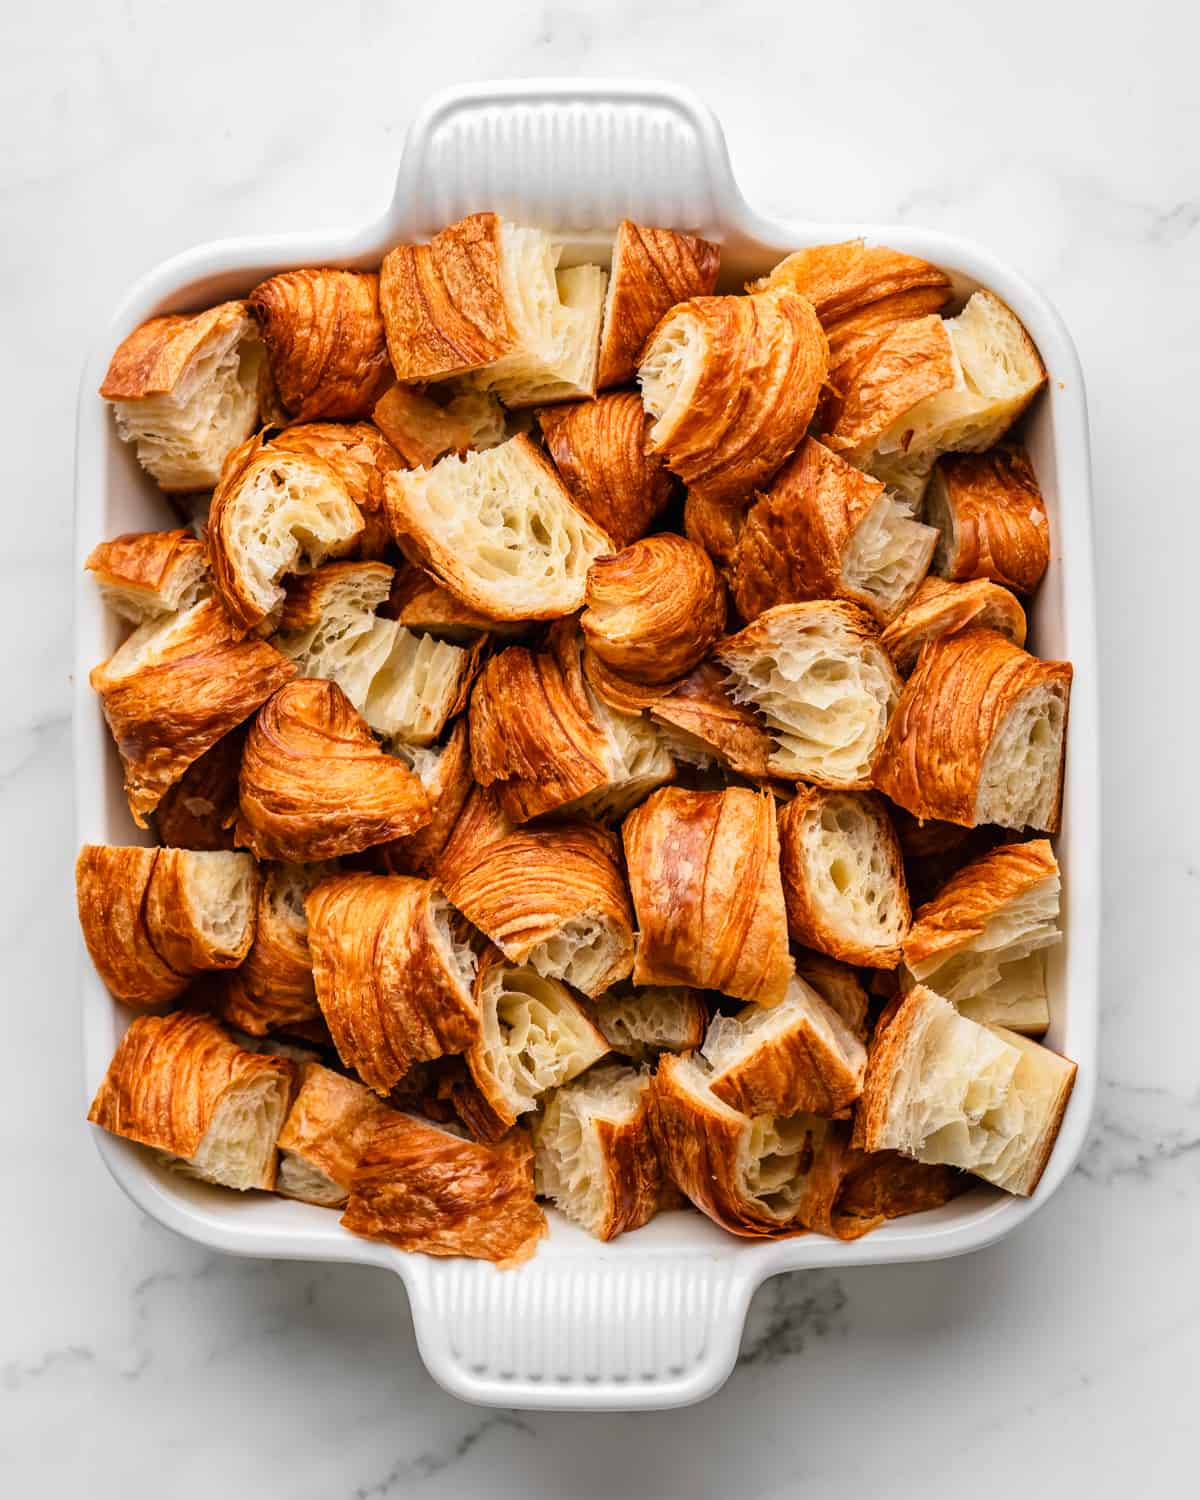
(325, 341)
(447, 788)
(714, 525)
(389, 982)
(845, 279)
(526, 889)
(481, 823)
(362, 458)
(419, 429)
(197, 678)
(652, 270)
(956, 700)
(599, 450)
(941, 608)
(420, 1188)
(328, 1128)
(958, 913)
(882, 1185)
(150, 361)
(167, 1078)
(762, 362)
(704, 873)
(655, 610)
(419, 602)
(146, 573)
(998, 527)
(914, 361)
(443, 303)
(199, 811)
(838, 985)
(700, 709)
(314, 784)
(194, 928)
(110, 890)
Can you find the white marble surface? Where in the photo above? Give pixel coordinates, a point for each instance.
(131, 1361)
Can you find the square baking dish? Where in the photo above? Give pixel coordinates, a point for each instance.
(653, 1319)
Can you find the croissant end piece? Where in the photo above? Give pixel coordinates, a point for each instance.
(185, 390)
(992, 518)
(144, 574)
(393, 967)
(199, 811)
(845, 279)
(174, 688)
(978, 736)
(362, 458)
(595, 1155)
(652, 270)
(639, 1023)
(421, 1188)
(328, 1128)
(704, 872)
(981, 942)
(940, 608)
(654, 610)
(178, 1084)
(314, 784)
(732, 383)
(599, 450)
(445, 773)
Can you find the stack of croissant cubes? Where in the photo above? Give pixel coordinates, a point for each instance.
(587, 733)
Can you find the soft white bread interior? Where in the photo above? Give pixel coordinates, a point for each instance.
(419, 686)
(637, 757)
(220, 889)
(1020, 780)
(482, 414)
(139, 595)
(1041, 1089)
(572, 1162)
(499, 530)
(302, 1179)
(581, 952)
(888, 554)
(670, 372)
(238, 1148)
(644, 1021)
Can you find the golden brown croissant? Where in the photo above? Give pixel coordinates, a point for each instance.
(420, 1188)
(144, 574)
(992, 518)
(702, 724)
(362, 458)
(599, 450)
(185, 390)
(553, 898)
(393, 969)
(325, 341)
(652, 270)
(881, 1185)
(274, 512)
(940, 608)
(595, 1156)
(838, 985)
(843, 876)
(715, 525)
(654, 610)
(422, 431)
(445, 773)
(199, 811)
(549, 745)
(174, 688)
(704, 873)
(732, 383)
(328, 1128)
(419, 602)
(178, 1084)
(978, 735)
(481, 823)
(824, 530)
(640, 1022)
(314, 784)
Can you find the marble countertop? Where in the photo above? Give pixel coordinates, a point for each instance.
(1063, 1358)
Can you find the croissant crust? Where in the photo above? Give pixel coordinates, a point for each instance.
(447, 785)
(940, 608)
(419, 602)
(915, 361)
(845, 279)
(151, 360)
(328, 1128)
(993, 518)
(146, 573)
(700, 709)
(199, 811)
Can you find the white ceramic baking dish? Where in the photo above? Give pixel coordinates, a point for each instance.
(654, 1319)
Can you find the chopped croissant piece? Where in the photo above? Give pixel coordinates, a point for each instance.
(419, 1187)
(715, 525)
(991, 517)
(418, 428)
(199, 810)
(981, 942)
(174, 688)
(702, 725)
(642, 1022)
(420, 603)
(844, 280)
(826, 531)
(485, 296)
(152, 918)
(843, 876)
(144, 574)
(882, 1185)
(184, 388)
(362, 458)
(599, 450)
(978, 735)
(940, 608)
(553, 898)
(594, 1152)
(549, 744)
(942, 1088)
(445, 773)
(274, 987)
(178, 1084)
(481, 823)
(732, 383)
(274, 512)
(826, 688)
(499, 530)
(314, 784)
(393, 967)
(533, 1036)
(704, 873)
(482, 414)
(325, 341)
(795, 1057)
(652, 270)
(654, 610)
(838, 985)
(329, 1126)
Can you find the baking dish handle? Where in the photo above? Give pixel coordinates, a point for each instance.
(628, 1331)
(573, 155)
